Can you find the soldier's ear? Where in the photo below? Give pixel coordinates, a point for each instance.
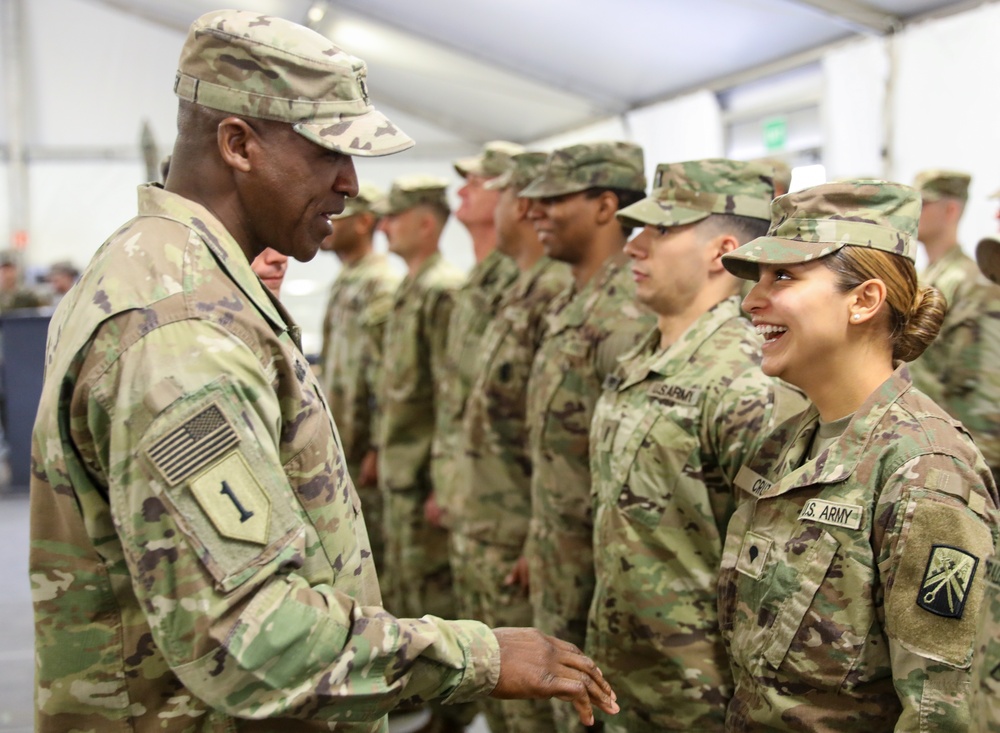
(607, 208)
(236, 139)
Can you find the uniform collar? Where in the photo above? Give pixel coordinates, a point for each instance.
(839, 461)
(676, 357)
(155, 201)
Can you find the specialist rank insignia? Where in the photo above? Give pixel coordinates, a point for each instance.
(947, 581)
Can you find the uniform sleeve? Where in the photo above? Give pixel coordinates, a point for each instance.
(221, 573)
(437, 316)
(934, 530)
(968, 382)
(372, 355)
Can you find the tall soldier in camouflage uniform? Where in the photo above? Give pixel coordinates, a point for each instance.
(687, 407)
(985, 702)
(576, 198)
(475, 307)
(959, 370)
(351, 356)
(854, 570)
(199, 561)
(414, 214)
(489, 522)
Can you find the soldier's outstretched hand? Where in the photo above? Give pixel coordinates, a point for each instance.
(534, 665)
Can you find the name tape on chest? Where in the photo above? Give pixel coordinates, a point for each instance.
(750, 481)
(831, 512)
(947, 581)
(675, 393)
(189, 448)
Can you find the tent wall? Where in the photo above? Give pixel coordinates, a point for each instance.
(100, 85)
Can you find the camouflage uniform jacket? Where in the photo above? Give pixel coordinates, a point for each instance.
(586, 331)
(414, 364)
(958, 370)
(985, 704)
(353, 329)
(475, 308)
(493, 459)
(198, 558)
(851, 583)
(669, 434)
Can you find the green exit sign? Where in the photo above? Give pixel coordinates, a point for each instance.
(775, 133)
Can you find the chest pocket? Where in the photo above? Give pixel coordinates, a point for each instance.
(792, 593)
(666, 438)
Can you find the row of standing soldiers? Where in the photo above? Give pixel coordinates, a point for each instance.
(502, 427)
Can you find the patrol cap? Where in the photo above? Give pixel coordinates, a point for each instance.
(934, 185)
(491, 162)
(521, 170)
(265, 67)
(368, 195)
(410, 191)
(820, 220)
(589, 165)
(988, 257)
(684, 193)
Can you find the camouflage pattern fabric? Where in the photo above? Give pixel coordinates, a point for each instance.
(268, 68)
(817, 221)
(958, 370)
(199, 560)
(351, 359)
(985, 701)
(475, 307)
(851, 583)
(684, 193)
(490, 522)
(589, 165)
(414, 348)
(670, 432)
(18, 299)
(586, 331)
(936, 184)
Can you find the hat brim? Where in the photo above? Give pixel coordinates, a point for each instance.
(988, 257)
(650, 212)
(468, 166)
(500, 182)
(542, 188)
(744, 262)
(367, 135)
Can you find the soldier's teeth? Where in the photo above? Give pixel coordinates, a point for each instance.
(767, 329)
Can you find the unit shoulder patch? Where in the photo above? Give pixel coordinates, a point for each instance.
(234, 500)
(947, 580)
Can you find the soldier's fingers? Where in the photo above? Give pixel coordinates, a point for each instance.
(575, 691)
(572, 657)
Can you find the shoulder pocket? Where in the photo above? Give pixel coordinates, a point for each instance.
(207, 460)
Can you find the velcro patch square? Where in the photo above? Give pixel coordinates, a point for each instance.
(753, 555)
(189, 448)
(947, 580)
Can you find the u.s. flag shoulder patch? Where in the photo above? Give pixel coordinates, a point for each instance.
(187, 449)
(947, 581)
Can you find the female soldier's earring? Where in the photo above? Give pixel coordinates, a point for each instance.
(856, 317)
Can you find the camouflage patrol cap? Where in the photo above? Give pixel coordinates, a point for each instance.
(522, 169)
(934, 185)
(589, 165)
(368, 195)
(410, 191)
(269, 68)
(684, 193)
(820, 220)
(491, 162)
(781, 172)
(988, 257)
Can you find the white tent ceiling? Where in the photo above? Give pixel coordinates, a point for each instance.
(469, 71)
